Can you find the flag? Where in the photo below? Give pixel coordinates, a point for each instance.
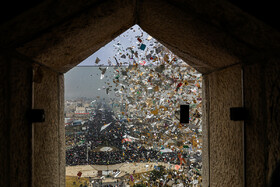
(79, 174)
(105, 126)
(126, 140)
(181, 159)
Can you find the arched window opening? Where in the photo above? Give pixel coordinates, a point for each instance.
(122, 116)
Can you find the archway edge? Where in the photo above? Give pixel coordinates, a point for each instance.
(200, 36)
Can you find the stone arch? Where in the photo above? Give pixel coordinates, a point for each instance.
(204, 45)
(215, 37)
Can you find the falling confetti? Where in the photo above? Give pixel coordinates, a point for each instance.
(148, 85)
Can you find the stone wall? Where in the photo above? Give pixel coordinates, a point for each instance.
(256, 125)
(4, 121)
(261, 94)
(222, 141)
(272, 100)
(205, 130)
(16, 131)
(30, 152)
(48, 140)
(212, 36)
(225, 136)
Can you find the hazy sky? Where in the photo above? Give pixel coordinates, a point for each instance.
(86, 82)
(125, 40)
(84, 79)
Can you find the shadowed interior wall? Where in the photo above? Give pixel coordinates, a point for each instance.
(4, 120)
(67, 44)
(209, 35)
(196, 42)
(256, 126)
(48, 140)
(262, 88)
(16, 131)
(272, 90)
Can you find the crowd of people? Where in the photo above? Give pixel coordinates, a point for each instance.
(93, 139)
(78, 156)
(88, 152)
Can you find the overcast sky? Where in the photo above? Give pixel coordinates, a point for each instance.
(84, 79)
(118, 45)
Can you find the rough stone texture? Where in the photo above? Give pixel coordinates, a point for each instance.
(61, 133)
(225, 135)
(256, 125)
(196, 42)
(20, 94)
(15, 151)
(206, 34)
(41, 19)
(66, 45)
(46, 148)
(262, 85)
(206, 134)
(240, 25)
(210, 35)
(4, 122)
(272, 90)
